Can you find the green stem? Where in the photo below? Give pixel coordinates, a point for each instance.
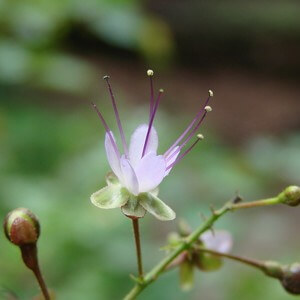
(156, 271)
(258, 203)
(159, 268)
(136, 231)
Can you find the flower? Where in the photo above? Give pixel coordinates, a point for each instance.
(137, 173)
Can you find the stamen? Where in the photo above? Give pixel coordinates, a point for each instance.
(150, 73)
(106, 78)
(151, 121)
(199, 137)
(203, 109)
(208, 108)
(189, 136)
(106, 129)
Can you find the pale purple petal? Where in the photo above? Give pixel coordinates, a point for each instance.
(150, 171)
(112, 156)
(220, 241)
(129, 178)
(171, 159)
(137, 143)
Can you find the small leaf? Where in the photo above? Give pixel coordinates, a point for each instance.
(111, 196)
(156, 207)
(186, 274)
(133, 208)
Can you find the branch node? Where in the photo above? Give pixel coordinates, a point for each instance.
(213, 210)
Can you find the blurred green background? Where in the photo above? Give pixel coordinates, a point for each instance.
(53, 55)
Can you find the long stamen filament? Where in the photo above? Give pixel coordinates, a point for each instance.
(106, 78)
(192, 133)
(106, 129)
(198, 115)
(151, 121)
(199, 137)
(150, 73)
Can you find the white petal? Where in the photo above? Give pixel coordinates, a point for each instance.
(221, 241)
(150, 171)
(112, 156)
(129, 178)
(137, 142)
(172, 159)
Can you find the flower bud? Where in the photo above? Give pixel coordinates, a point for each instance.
(291, 279)
(208, 262)
(291, 195)
(21, 227)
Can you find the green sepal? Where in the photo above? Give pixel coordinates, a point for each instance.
(111, 179)
(208, 262)
(133, 209)
(186, 275)
(156, 207)
(111, 196)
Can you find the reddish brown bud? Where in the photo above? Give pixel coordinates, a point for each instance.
(21, 227)
(291, 279)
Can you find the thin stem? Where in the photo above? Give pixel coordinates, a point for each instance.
(135, 224)
(41, 281)
(258, 203)
(157, 270)
(30, 258)
(251, 262)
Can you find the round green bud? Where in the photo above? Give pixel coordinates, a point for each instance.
(291, 279)
(208, 262)
(21, 227)
(291, 195)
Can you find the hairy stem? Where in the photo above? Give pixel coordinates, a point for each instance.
(136, 231)
(156, 271)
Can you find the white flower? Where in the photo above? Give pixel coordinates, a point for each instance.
(139, 171)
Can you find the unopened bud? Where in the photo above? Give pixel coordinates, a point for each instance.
(184, 228)
(21, 227)
(291, 195)
(208, 262)
(291, 279)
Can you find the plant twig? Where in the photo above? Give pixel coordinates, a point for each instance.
(251, 262)
(136, 231)
(153, 274)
